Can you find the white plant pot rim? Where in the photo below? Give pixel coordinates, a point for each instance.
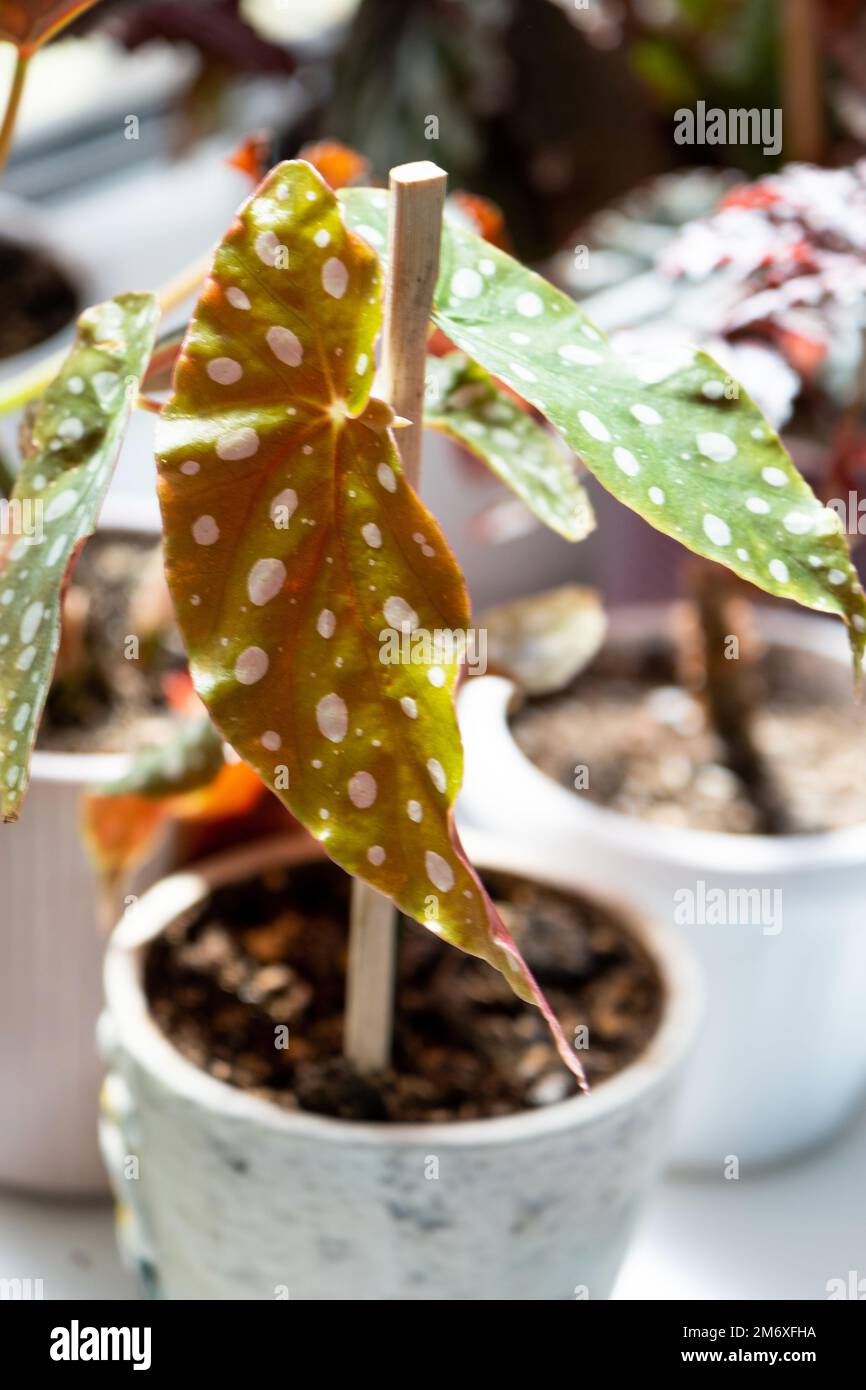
(121, 513)
(488, 707)
(140, 1036)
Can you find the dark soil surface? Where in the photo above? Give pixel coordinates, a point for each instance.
(269, 955)
(36, 298)
(648, 750)
(103, 700)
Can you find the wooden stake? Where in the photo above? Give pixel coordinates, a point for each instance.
(414, 229)
(801, 79)
(414, 233)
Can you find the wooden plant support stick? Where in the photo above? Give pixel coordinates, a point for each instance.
(801, 85)
(414, 229)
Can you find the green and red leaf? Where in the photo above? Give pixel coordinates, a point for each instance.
(678, 442)
(119, 832)
(189, 758)
(462, 400)
(186, 778)
(30, 23)
(300, 561)
(73, 443)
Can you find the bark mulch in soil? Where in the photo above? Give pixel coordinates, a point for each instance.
(102, 700)
(649, 751)
(269, 955)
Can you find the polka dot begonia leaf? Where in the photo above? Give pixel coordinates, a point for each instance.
(186, 777)
(74, 439)
(463, 401)
(678, 441)
(309, 580)
(190, 757)
(121, 820)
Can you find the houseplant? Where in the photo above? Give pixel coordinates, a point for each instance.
(774, 919)
(51, 1144)
(768, 278)
(773, 280)
(227, 1195)
(52, 1092)
(271, 397)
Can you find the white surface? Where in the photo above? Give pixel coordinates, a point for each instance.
(779, 1234)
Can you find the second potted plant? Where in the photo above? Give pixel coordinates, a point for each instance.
(625, 773)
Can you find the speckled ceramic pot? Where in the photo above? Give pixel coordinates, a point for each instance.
(223, 1196)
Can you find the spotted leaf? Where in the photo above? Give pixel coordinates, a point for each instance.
(677, 441)
(462, 400)
(309, 580)
(74, 439)
(190, 758)
(187, 778)
(30, 23)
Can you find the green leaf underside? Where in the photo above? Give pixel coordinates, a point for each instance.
(676, 441)
(75, 437)
(294, 546)
(190, 758)
(463, 401)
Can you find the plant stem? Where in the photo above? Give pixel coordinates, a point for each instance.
(189, 279)
(801, 79)
(414, 231)
(728, 681)
(10, 116)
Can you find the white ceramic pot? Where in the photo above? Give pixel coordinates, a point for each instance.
(53, 927)
(224, 1196)
(782, 1057)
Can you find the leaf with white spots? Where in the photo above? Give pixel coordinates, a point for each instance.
(188, 778)
(75, 435)
(190, 758)
(462, 400)
(676, 440)
(308, 578)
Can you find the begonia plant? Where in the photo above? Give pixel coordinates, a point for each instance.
(294, 543)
